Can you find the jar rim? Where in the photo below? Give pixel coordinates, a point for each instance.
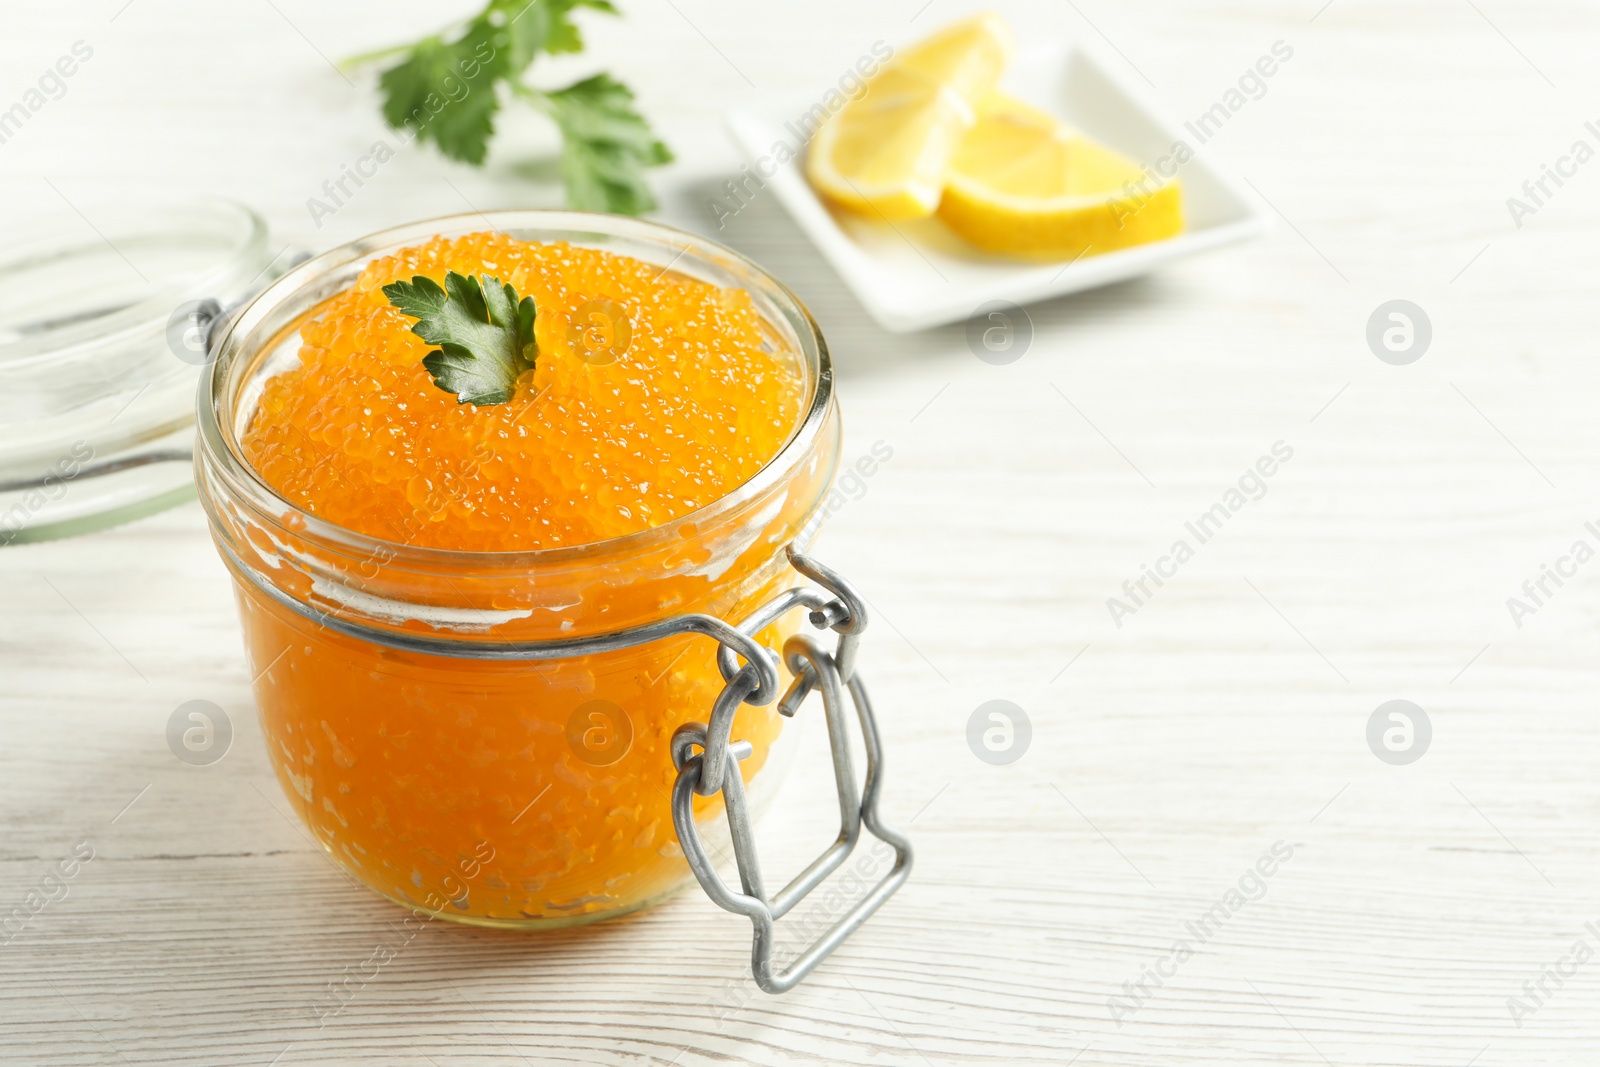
(242, 335)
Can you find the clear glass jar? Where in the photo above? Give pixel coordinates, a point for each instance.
(101, 355)
(501, 792)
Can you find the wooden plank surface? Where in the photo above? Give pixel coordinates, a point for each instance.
(1169, 754)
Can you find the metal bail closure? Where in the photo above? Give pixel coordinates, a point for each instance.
(710, 772)
(714, 769)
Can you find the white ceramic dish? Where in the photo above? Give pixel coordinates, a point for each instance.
(914, 275)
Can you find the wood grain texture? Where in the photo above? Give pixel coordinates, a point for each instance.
(1167, 755)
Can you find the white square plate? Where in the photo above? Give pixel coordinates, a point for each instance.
(914, 275)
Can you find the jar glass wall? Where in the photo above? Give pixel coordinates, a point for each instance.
(434, 767)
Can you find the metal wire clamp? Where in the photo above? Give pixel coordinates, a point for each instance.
(709, 772)
(838, 608)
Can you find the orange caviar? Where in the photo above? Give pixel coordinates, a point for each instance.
(512, 792)
(584, 451)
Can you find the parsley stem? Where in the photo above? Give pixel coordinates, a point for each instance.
(377, 55)
(534, 96)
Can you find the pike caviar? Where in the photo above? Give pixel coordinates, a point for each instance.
(518, 793)
(589, 447)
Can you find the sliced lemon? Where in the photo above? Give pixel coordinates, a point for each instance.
(885, 152)
(1023, 183)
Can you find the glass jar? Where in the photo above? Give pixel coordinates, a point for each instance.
(101, 344)
(426, 752)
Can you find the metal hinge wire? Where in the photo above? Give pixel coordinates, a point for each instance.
(708, 772)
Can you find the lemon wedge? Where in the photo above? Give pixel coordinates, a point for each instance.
(886, 151)
(1022, 183)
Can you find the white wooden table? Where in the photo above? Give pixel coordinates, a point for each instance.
(1228, 714)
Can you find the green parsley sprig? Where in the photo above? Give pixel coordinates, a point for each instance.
(484, 333)
(447, 88)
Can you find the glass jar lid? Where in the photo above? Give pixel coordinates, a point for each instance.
(103, 313)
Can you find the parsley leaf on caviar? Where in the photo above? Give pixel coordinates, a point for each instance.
(485, 336)
(446, 89)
